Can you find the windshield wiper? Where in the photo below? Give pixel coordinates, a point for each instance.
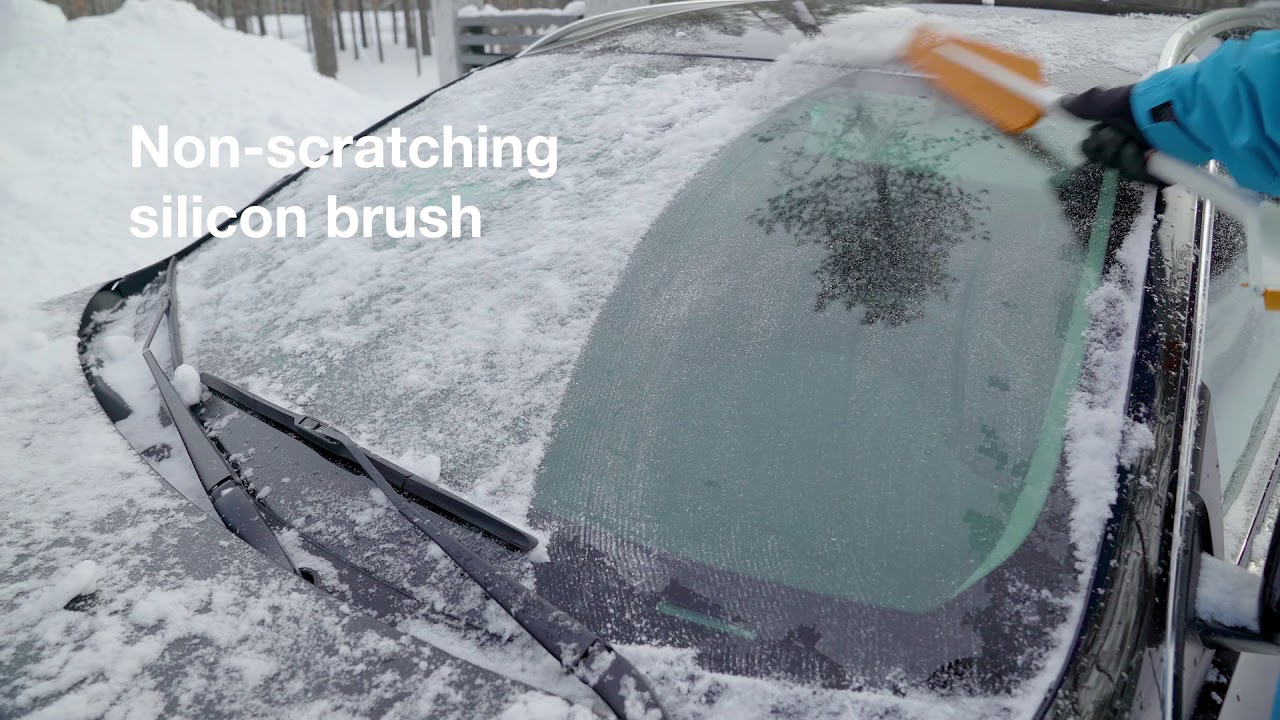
(578, 649)
(433, 495)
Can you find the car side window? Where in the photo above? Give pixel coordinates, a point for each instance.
(1241, 361)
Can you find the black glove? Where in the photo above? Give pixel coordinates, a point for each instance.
(1115, 142)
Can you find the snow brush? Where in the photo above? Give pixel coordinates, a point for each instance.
(1009, 92)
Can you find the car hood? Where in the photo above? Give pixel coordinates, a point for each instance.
(121, 598)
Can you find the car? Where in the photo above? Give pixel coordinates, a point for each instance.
(793, 392)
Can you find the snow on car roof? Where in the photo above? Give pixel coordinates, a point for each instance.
(1078, 49)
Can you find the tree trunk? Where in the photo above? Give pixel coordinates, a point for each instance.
(262, 16)
(364, 35)
(417, 57)
(395, 28)
(377, 30)
(355, 44)
(322, 37)
(424, 20)
(306, 24)
(409, 40)
(240, 11)
(337, 17)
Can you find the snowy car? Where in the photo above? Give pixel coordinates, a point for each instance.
(792, 391)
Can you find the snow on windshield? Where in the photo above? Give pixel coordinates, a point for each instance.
(462, 349)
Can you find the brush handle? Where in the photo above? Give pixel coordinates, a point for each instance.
(1260, 216)
(1229, 196)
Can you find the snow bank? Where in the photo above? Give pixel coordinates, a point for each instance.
(73, 89)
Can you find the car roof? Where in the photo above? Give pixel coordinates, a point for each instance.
(765, 31)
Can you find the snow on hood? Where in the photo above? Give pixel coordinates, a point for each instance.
(103, 614)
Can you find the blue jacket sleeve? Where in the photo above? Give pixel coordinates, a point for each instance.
(1226, 107)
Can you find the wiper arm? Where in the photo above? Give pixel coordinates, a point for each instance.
(230, 499)
(579, 649)
(313, 431)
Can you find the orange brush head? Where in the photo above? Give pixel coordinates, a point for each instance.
(926, 52)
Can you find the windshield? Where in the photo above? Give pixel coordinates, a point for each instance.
(833, 375)
(779, 373)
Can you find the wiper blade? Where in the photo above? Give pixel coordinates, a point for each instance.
(437, 497)
(579, 649)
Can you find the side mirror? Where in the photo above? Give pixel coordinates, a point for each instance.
(1269, 599)
(1264, 637)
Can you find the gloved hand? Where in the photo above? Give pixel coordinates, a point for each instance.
(1115, 141)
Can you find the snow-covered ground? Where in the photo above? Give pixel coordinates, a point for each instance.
(72, 90)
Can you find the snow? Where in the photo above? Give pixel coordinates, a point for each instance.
(96, 521)
(187, 382)
(425, 466)
(398, 78)
(151, 632)
(79, 580)
(67, 187)
(544, 706)
(1098, 433)
(467, 314)
(1227, 594)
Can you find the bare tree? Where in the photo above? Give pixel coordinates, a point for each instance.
(424, 13)
(355, 44)
(240, 11)
(417, 57)
(322, 37)
(409, 39)
(364, 35)
(262, 16)
(337, 17)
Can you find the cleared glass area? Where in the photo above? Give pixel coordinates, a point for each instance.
(839, 361)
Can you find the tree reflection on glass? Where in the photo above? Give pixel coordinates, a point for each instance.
(865, 185)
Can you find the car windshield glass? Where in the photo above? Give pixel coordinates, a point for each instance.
(839, 362)
(777, 371)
